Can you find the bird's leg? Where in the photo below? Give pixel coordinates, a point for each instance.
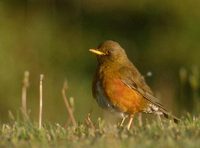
(123, 119)
(159, 120)
(140, 119)
(130, 122)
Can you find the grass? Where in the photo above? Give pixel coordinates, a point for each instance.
(23, 132)
(151, 134)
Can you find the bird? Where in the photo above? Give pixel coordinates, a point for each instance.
(119, 86)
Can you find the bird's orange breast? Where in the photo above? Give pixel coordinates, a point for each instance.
(123, 97)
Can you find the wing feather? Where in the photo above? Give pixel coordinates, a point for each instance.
(134, 80)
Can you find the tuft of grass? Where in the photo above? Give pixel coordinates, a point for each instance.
(151, 134)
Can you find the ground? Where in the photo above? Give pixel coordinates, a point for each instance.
(151, 134)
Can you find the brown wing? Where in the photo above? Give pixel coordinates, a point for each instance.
(133, 79)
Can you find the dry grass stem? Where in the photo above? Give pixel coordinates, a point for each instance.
(89, 122)
(24, 94)
(68, 107)
(41, 100)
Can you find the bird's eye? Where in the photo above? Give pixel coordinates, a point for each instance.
(110, 50)
(107, 52)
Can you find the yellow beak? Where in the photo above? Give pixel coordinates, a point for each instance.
(95, 51)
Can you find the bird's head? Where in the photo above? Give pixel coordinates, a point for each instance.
(109, 51)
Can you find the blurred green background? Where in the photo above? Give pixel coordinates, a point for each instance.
(53, 37)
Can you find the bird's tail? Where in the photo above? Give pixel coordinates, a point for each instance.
(168, 115)
(156, 107)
